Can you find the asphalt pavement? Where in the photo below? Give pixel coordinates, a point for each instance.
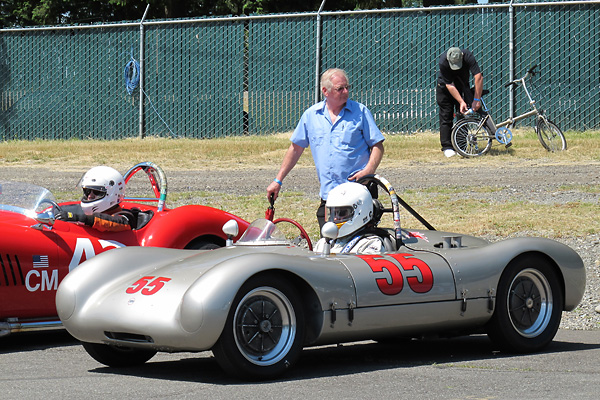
(55, 366)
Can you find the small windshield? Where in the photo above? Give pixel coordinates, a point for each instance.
(264, 232)
(24, 198)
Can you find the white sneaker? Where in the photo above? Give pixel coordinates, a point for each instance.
(449, 153)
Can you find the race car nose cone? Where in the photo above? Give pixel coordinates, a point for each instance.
(65, 303)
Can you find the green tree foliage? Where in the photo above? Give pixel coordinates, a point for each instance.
(57, 12)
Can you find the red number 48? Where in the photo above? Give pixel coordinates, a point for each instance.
(148, 285)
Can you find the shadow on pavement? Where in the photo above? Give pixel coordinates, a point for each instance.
(345, 359)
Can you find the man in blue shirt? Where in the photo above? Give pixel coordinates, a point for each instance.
(344, 139)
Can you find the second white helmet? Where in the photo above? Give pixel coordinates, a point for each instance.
(103, 188)
(350, 207)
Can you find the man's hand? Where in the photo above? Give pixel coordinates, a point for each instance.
(359, 174)
(273, 190)
(71, 216)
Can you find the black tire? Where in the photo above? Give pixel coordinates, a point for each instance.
(549, 135)
(469, 139)
(529, 305)
(115, 356)
(202, 245)
(264, 331)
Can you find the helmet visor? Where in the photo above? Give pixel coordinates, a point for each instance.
(93, 193)
(339, 214)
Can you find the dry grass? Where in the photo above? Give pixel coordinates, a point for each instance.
(402, 151)
(254, 151)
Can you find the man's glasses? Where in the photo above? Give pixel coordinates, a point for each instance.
(92, 193)
(340, 89)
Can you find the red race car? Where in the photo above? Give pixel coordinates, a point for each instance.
(37, 250)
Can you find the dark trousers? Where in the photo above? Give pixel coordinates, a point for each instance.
(447, 106)
(321, 215)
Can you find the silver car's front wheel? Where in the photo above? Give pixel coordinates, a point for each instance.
(529, 305)
(116, 356)
(265, 326)
(264, 331)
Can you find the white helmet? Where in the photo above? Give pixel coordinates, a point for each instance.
(103, 188)
(350, 207)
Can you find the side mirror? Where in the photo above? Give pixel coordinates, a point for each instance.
(231, 230)
(45, 218)
(330, 232)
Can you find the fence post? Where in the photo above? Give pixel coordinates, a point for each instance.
(318, 54)
(142, 56)
(511, 58)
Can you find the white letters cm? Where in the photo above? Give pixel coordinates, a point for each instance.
(45, 281)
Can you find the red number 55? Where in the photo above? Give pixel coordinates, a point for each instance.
(410, 266)
(148, 285)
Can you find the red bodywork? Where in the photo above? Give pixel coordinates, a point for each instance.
(34, 261)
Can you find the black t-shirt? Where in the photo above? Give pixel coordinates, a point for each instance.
(458, 77)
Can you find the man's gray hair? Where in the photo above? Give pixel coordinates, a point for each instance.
(327, 75)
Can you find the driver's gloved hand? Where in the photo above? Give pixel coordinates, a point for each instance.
(72, 216)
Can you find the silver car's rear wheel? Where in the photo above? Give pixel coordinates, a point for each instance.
(529, 306)
(264, 331)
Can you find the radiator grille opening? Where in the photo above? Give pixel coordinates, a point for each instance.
(129, 337)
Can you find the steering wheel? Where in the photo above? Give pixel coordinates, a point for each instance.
(303, 234)
(48, 218)
(54, 205)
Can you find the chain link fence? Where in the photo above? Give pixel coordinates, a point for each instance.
(216, 77)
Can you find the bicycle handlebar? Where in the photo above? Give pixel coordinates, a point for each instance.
(531, 71)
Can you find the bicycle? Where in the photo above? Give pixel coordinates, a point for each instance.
(472, 136)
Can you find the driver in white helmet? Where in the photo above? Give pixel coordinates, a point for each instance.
(350, 207)
(103, 191)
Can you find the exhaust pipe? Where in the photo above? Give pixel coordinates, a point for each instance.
(13, 325)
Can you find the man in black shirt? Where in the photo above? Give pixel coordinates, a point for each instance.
(453, 91)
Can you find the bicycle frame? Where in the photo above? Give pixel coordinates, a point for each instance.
(472, 136)
(521, 81)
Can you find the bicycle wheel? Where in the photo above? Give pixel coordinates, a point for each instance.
(550, 136)
(470, 139)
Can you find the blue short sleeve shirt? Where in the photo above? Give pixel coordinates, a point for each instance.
(340, 149)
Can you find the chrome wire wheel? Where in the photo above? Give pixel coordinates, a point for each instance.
(265, 326)
(530, 303)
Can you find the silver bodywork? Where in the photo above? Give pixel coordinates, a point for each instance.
(436, 282)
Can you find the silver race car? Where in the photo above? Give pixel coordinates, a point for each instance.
(258, 302)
